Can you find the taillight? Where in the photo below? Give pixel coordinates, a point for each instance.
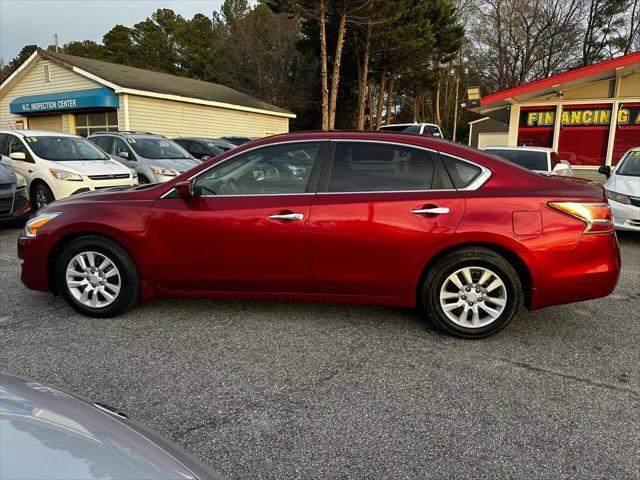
(597, 217)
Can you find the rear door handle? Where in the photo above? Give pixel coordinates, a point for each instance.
(287, 217)
(430, 211)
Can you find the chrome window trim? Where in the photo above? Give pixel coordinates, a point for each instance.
(480, 180)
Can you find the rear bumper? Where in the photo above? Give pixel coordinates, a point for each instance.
(588, 271)
(34, 253)
(625, 217)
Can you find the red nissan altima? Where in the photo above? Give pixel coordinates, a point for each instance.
(390, 219)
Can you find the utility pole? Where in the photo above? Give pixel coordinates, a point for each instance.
(455, 106)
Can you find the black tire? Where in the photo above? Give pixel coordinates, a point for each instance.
(129, 292)
(479, 258)
(41, 197)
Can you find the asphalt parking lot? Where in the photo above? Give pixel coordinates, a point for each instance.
(291, 390)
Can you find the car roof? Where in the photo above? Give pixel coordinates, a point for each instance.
(122, 133)
(204, 139)
(530, 149)
(39, 133)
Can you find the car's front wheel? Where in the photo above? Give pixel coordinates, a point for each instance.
(42, 196)
(97, 277)
(471, 293)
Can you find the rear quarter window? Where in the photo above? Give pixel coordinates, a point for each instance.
(462, 173)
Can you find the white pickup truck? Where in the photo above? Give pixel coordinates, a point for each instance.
(428, 129)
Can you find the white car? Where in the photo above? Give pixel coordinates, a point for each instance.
(429, 129)
(539, 159)
(57, 165)
(623, 190)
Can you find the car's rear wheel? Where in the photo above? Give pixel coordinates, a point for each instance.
(471, 293)
(42, 196)
(97, 277)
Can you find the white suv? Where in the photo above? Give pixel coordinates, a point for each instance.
(427, 129)
(58, 165)
(539, 159)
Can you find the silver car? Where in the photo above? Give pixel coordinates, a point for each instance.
(47, 433)
(156, 159)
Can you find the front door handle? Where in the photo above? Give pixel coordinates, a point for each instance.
(286, 217)
(430, 211)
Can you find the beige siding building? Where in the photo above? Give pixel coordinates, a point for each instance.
(590, 116)
(59, 92)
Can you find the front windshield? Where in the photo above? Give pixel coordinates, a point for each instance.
(528, 159)
(158, 148)
(65, 149)
(630, 165)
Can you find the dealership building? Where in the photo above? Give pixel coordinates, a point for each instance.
(590, 115)
(65, 93)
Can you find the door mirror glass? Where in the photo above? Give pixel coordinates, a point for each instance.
(605, 170)
(17, 156)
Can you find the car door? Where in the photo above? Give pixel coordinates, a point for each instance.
(382, 209)
(25, 167)
(245, 227)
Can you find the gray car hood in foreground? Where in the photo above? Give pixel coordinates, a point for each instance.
(6, 177)
(46, 433)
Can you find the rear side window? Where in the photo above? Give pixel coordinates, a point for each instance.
(462, 173)
(371, 167)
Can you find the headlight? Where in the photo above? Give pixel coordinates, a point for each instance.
(21, 182)
(32, 226)
(618, 197)
(64, 175)
(165, 172)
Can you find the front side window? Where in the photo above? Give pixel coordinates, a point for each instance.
(102, 142)
(14, 144)
(630, 165)
(157, 148)
(198, 150)
(119, 146)
(371, 167)
(531, 160)
(62, 149)
(272, 170)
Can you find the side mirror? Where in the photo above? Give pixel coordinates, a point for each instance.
(17, 156)
(123, 155)
(184, 189)
(605, 170)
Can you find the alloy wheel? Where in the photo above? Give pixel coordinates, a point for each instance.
(473, 297)
(93, 279)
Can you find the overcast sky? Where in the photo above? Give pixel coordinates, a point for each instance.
(25, 22)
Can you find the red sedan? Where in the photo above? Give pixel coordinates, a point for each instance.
(391, 219)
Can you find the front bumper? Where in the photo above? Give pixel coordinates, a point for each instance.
(62, 189)
(34, 253)
(625, 217)
(15, 205)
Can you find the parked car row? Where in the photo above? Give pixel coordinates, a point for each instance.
(49, 166)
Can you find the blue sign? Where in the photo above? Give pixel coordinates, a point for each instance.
(102, 97)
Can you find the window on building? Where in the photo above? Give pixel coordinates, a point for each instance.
(92, 122)
(584, 134)
(535, 128)
(627, 130)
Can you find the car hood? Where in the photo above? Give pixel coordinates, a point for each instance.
(625, 184)
(91, 167)
(6, 176)
(48, 433)
(179, 164)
